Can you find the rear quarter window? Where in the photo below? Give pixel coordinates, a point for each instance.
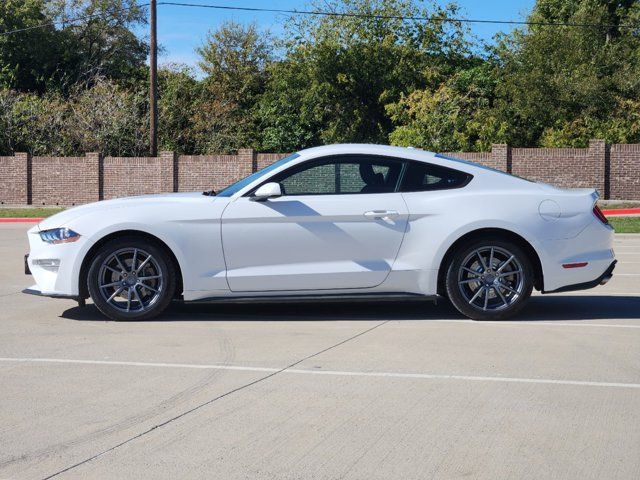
(422, 177)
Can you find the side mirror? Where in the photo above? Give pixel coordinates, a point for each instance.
(266, 191)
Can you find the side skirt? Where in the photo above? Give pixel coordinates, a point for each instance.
(337, 297)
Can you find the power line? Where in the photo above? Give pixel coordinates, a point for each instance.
(73, 20)
(433, 18)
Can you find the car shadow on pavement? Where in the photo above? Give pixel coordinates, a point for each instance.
(540, 308)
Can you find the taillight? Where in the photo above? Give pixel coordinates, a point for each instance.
(599, 215)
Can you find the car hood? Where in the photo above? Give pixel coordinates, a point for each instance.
(157, 200)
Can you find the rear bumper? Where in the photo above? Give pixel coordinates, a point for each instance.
(601, 280)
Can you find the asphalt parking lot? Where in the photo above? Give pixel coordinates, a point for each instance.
(382, 391)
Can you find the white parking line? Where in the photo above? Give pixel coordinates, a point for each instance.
(536, 323)
(297, 371)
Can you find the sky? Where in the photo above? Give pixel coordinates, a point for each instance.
(181, 30)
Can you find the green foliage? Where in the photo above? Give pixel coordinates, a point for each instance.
(28, 60)
(179, 94)
(339, 73)
(104, 117)
(83, 86)
(456, 115)
(234, 59)
(564, 84)
(99, 45)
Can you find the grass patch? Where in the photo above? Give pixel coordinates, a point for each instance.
(29, 212)
(625, 224)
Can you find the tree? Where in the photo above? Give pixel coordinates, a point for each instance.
(340, 72)
(234, 59)
(556, 77)
(75, 41)
(456, 115)
(102, 43)
(179, 95)
(28, 59)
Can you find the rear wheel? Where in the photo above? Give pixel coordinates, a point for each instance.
(131, 279)
(489, 279)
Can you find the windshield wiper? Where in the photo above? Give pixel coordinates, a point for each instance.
(209, 193)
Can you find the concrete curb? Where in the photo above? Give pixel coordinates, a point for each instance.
(621, 212)
(21, 220)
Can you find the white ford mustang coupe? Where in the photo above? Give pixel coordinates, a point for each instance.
(342, 221)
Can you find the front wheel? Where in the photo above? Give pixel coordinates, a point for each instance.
(489, 279)
(131, 279)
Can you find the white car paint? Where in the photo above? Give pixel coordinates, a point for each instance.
(369, 243)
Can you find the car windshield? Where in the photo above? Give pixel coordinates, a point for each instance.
(239, 185)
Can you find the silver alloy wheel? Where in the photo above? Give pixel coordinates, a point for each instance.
(491, 278)
(130, 280)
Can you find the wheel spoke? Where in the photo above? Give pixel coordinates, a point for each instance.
(119, 262)
(507, 287)
(119, 272)
(477, 294)
(128, 299)
(152, 277)
(146, 260)
(484, 265)
(134, 260)
(144, 285)
(491, 258)
(486, 298)
(508, 274)
(472, 272)
(502, 297)
(111, 284)
(139, 300)
(468, 280)
(115, 294)
(507, 262)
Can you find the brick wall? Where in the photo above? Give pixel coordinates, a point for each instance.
(64, 180)
(15, 173)
(614, 170)
(624, 172)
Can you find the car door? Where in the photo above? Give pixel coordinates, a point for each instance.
(338, 225)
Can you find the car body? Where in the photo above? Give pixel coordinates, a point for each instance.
(363, 237)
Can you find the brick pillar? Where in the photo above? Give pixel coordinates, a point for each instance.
(501, 156)
(169, 167)
(15, 179)
(93, 186)
(599, 166)
(248, 160)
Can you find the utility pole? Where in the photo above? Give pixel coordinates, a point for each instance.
(153, 81)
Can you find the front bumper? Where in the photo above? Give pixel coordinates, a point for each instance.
(34, 291)
(601, 280)
(55, 268)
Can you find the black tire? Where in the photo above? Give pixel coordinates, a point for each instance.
(489, 293)
(146, 288)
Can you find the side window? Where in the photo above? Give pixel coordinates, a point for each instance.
(419, 177)
(316, 180)
(341, 175)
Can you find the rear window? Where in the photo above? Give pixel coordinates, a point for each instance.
(420, 177)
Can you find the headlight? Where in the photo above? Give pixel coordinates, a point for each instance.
(59, 235)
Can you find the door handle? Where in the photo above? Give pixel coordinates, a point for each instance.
(380, 214)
